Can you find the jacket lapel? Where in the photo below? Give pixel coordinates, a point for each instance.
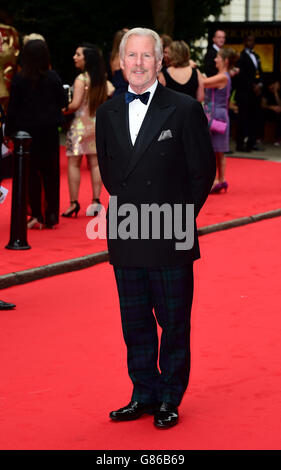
(158, 112)
(119, 117)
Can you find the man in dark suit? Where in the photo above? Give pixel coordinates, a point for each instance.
(248, 85)
(210, 68)
(3, 305)
(154, 151)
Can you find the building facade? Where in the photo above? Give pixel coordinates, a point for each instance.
(252, 10)
(260, 18)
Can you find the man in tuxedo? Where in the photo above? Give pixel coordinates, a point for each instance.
(210, 68)
(248, 84)
(154, 151)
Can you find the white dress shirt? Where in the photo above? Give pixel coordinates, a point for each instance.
(137, 111)
(253, 57)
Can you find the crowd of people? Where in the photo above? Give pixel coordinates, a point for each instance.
(227, 84)
(38, 103)
(233, 89)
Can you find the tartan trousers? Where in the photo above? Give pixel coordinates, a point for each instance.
(151, 296)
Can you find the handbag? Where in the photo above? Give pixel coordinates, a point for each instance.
(215, 125)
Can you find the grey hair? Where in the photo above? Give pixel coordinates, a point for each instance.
(158, 47)
(31, 37)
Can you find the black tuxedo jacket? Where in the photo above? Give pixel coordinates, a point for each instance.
(247, 75)
(178, 169)
(210, 68)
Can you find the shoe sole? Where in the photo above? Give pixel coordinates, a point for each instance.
(133, 418)
(166, 426)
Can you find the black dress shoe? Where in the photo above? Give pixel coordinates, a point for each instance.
(166, 416)
(243, 148)
(133, 410)
(258, 148)
(6, 305)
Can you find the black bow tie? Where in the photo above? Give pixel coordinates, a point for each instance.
(132, 96)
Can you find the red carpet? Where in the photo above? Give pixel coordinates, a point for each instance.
(63, 358)
(254, 187)
(68, 240)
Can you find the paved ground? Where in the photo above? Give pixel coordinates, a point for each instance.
(270, 152)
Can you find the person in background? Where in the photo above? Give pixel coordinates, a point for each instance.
(3, 305)
(166, 42)
(216, 103)
(248, 84)
(153, 149)
(36, 99)
(91, 88)
(180, 75)
(210, 68)
(271, 106)
(31, 37)
(116, 74)
(9, 55)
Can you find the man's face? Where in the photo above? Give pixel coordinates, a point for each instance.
(219, 38)
(139, 64)
(250, 42)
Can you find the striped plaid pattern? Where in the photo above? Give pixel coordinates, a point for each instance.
(149, 296)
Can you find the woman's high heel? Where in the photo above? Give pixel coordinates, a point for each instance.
(217, 188)
(72, 211)
(94, 209)
(225, 186)
(34, 223)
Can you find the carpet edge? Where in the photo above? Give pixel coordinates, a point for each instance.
(75, 264)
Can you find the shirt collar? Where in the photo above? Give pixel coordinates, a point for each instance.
(216, 47)
(151, 89)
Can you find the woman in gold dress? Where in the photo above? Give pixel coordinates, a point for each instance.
(9, 53)
(90, 90)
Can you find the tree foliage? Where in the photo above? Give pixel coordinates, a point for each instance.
(164, 15)
(191, 17)
(65, 24)
(185, 19)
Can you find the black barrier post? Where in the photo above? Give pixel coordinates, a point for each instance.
(18, 227)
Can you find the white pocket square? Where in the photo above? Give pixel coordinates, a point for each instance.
(165, 135)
